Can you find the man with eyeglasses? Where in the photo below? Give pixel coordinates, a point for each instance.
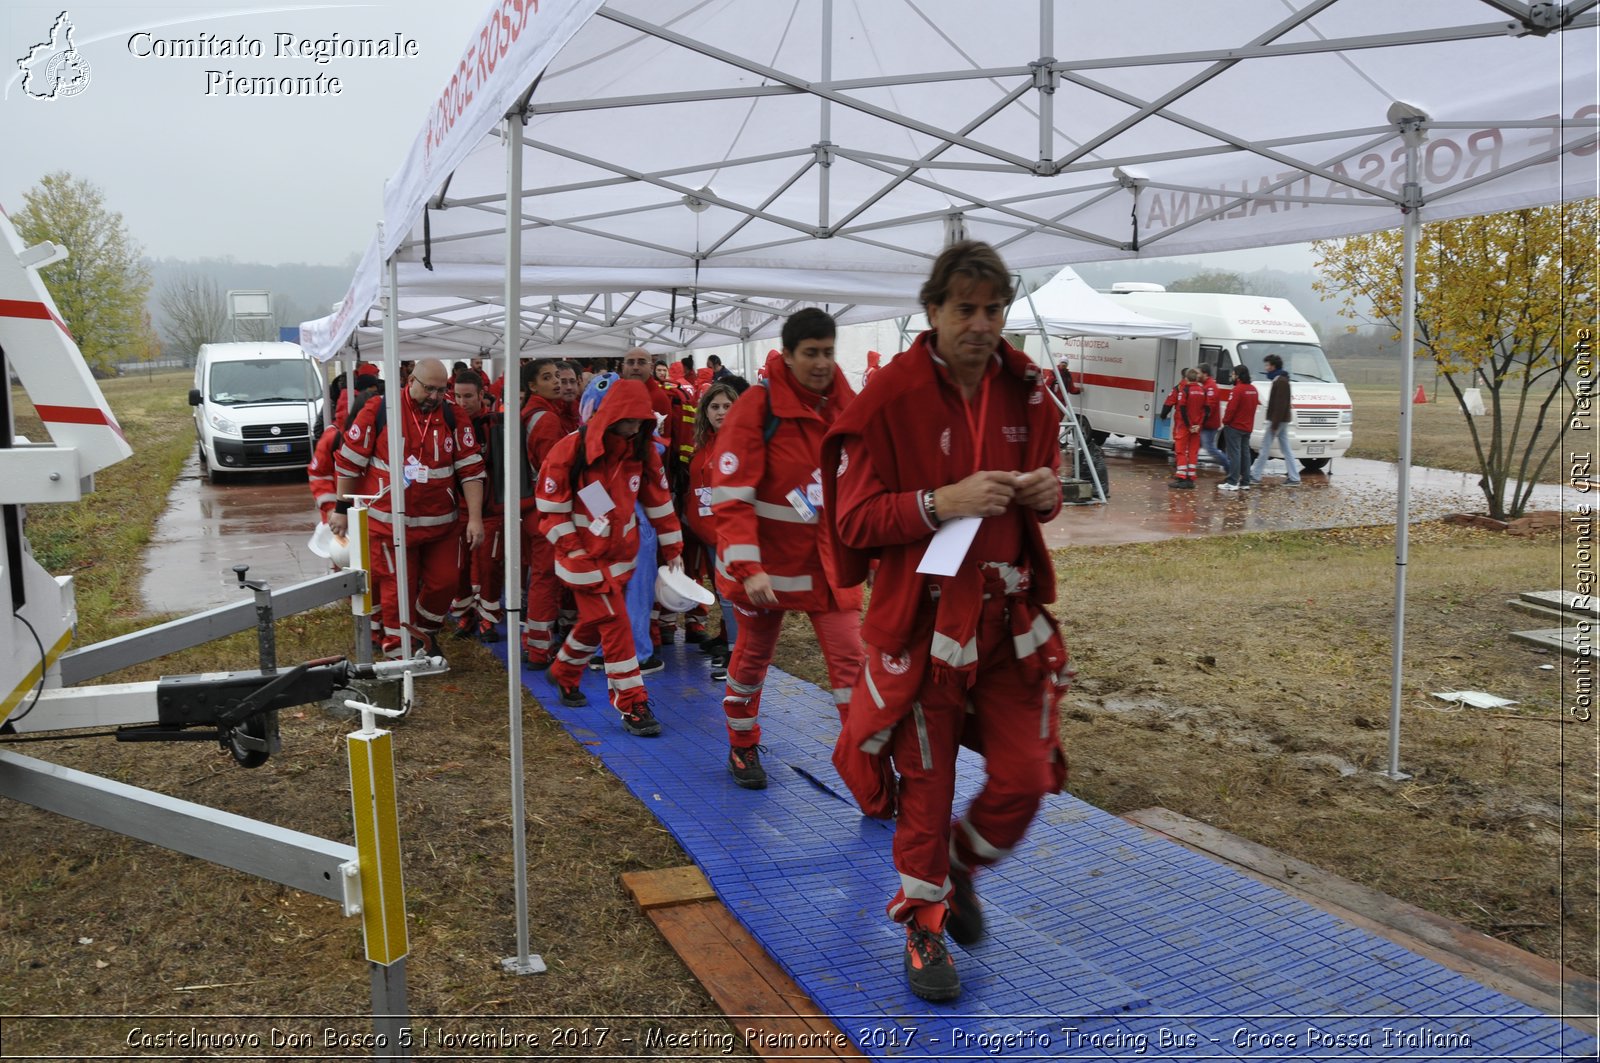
(442, 464)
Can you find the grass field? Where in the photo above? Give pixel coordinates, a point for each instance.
(98, 542)
(1241, 680)
(1441, 437)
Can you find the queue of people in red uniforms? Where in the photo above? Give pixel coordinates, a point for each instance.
(794, 492)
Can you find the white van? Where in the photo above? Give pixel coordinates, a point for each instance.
(1126, 382)
(257, 406)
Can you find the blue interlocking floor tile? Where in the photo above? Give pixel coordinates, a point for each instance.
(1107, 941)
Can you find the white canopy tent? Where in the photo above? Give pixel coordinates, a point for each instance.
(1065, 305)
(761, 147)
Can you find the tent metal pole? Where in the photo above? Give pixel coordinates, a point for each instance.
(397, 459)
(523, 962)
(825, 114)
(1064, 400)
(1047, 92)
(1411, 229)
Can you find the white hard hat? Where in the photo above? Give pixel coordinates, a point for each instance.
(677, 593)
(339, 553)
(324, 543)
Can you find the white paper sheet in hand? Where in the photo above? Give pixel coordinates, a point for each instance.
(949, 546)
(595, 499)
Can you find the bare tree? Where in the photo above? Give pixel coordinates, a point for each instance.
(195, 313)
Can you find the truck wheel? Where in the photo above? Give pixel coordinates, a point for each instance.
(1314, 464)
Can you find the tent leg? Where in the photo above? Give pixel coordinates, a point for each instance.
(1411, 229)
(523, 962)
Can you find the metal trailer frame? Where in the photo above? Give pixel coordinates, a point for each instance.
(363, 878)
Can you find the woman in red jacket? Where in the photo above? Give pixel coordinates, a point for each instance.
(697, 512)
(587, 488)
(1237, 424)
(767, 493)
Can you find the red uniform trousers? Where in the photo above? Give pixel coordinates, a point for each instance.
(1013, 724)
(663, 625)
(1186, 448)
(543, 605)
(489, 571)
(603, 624)
(434, 559)
(839, 635)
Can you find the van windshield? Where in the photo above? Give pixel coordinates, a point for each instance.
(264, 380)
(1303, 361)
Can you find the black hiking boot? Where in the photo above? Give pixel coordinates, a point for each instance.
(745, 763)
(930, 972)
(641, 721)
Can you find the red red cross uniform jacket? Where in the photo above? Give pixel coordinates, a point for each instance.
(698, 515)
(1243, 401)
(759, 527)
(876, 462)
(584, 558)
(1213, 419)
(320, 473)
(439, 461)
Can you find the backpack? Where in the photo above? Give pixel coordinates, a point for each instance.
(769, 425)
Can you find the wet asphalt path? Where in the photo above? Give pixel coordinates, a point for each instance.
(264, 519)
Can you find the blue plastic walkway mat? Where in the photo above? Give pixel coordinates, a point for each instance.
(1104, 942)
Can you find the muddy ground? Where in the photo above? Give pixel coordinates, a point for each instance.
(1242, 681)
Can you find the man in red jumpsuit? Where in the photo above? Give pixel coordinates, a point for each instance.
(771, 548)
(1189, 410)
(543, 428)
(478, 608)
(442, 464)
(956, 427)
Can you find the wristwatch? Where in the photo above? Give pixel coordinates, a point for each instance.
(930, 509)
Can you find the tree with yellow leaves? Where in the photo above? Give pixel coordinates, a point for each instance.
(101, 287)
(1500, 301)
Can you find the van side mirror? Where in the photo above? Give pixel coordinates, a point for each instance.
(194, 397)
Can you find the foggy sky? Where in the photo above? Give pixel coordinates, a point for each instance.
(267, 179)
(258, 179)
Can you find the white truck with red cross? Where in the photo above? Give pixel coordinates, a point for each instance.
(1125, 382)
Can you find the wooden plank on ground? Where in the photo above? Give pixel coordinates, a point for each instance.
(770, 1014)
(1567, 641)
(668, 886)
(1503, 967)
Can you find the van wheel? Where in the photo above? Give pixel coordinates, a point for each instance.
(207, 473)
(1144, 444)
(1314, 464)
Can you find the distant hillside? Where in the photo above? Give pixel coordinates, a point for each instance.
(300, 292)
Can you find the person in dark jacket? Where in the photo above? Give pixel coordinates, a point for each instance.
(1280, 411)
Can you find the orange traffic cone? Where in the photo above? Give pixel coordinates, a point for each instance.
(1420, 398)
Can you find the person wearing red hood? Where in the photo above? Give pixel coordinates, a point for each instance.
(542, 430)
(587, 489)
(766, 491)
(958, 426)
